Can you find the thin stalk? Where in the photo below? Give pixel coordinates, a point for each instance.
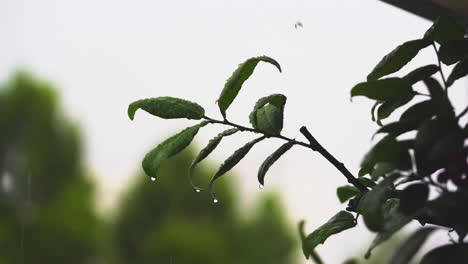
(440, 66)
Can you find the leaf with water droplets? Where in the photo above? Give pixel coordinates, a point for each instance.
(237, 79)
(230, 162)
(212, 144)
(267, 115)
(169, 148)
(272, 159)
(167, 108)
(393, 220)
(340, 222)
(398, 58)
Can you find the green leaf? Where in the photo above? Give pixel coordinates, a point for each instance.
(410, 247)
(390, 150)
(212, 144)
(364, 171)
(313, 254)
(371, 204)
(459, 71)
(381, 169)
(437, 142)
(453, 254)
(388, 107)
(413, 198)
(393, 220)
(383, 90)
(167, 107)
(397, 128)
(421, 73)
(398, 58)
(445, 29)
(169, 148)
(272, 159)
(419, 112)
(444, 108)
(232, 161)
(367, 182)
(340, 222)
(267, 115)
(346, 192)
(237, 79)
(453, 51)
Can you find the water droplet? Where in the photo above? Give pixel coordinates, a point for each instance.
(215, 201)
(197, 190)
(261, 186)
(153, 178)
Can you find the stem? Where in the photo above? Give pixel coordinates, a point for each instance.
(313, 145)
(440, 66)
(463, 113)
(338, 165)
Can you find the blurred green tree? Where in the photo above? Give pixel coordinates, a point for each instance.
(166, 221)
(46, 198)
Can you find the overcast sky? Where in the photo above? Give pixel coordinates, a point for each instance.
(105, 54)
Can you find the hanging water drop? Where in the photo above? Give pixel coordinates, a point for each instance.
(215, 201)
(261, 186)
(153, 178)
(197, 190)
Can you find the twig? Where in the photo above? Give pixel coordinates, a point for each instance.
(313, 145)
(440, 66)
(340, 166)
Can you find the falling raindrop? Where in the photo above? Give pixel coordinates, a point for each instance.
(153, 178)
(261, 186)
(215, 201)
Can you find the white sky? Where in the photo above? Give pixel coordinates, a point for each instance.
(105, 54)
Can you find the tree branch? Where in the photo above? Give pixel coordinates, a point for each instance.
(338, 165)
(313, 145)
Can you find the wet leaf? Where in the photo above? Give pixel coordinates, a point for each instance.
(398, 58)
(421, 73)
(371, 203)
(445, 29)
(459, 71)
(169, 148)
(272, 159)
(232, 161)
(419, 112)
(338, 223)
(453, 51)
(383, 90)
(393, 220)
(237, 79)
(212, 144)
(346, 192)
(267, 115)
(167, 108)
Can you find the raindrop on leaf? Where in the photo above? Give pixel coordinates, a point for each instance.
(153, 178)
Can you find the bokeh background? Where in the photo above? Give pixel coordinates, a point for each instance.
(71, 185)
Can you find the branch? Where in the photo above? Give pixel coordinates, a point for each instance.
(313, 145)
(338, 165)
